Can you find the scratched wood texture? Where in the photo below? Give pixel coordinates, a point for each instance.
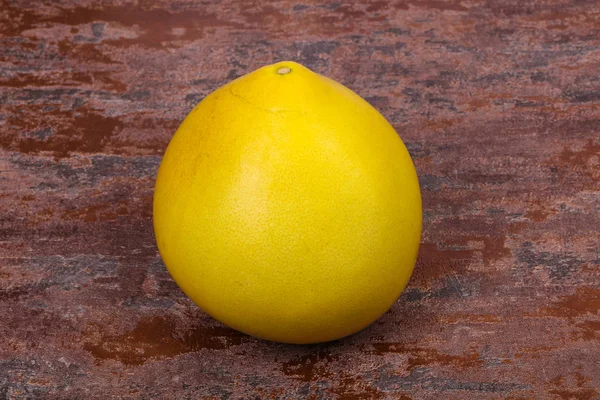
(497, 101)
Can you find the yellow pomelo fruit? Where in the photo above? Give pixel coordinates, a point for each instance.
(288, 208)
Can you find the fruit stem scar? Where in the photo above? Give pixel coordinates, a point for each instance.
(284, 70)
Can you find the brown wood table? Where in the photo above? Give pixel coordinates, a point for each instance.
(497, 101)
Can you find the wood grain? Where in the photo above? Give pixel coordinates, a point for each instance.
(497, 101)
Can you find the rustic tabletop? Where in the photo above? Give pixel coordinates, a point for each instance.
(497, 101)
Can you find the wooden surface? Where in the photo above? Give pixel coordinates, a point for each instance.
(497, 101)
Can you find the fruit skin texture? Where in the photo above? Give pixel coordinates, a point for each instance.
(288, 208)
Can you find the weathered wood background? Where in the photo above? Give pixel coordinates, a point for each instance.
(497, 101)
